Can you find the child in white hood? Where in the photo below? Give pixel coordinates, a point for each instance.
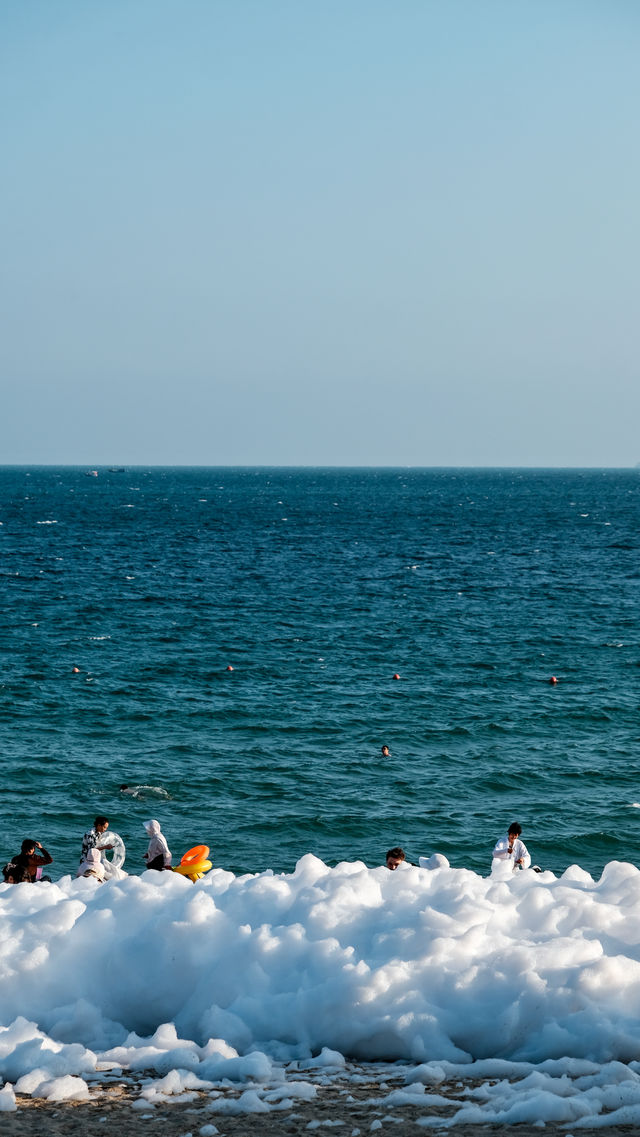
(92, 866)
(158, 855)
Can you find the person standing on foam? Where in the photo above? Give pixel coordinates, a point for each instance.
(158, 855)
(511, 848)
(94, 836)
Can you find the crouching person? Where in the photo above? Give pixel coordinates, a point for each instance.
(27, 865)
(92, 866)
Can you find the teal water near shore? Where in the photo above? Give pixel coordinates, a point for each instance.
(317, 587)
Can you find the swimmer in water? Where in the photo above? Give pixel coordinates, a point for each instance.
(141, 790)
(386, 753)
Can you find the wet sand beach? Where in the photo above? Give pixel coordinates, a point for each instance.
(118, 1111)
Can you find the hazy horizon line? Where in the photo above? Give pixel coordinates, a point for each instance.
(124, 467)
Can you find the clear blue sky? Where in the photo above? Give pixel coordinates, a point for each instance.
(320, 232)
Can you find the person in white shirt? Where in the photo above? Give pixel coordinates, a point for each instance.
(511, 848)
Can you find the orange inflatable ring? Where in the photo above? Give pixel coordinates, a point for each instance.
(198, 869)
(198, 853)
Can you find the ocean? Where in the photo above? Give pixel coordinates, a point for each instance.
(246, 641)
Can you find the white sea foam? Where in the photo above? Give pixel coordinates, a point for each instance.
(529, 979)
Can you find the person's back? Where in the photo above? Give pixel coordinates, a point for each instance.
(158, 855)
(16, 871)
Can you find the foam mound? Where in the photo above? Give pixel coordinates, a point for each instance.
(229, 977)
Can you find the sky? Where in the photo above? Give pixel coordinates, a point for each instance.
(320, 232)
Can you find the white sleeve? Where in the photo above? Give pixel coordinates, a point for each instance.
(501, 849)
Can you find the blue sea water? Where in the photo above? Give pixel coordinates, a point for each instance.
(317, 586)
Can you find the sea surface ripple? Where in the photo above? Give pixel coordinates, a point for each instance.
(317, 586)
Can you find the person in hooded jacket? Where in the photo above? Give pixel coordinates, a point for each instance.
(158, 855)
(92, 866)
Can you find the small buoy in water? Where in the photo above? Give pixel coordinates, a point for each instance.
(76, 670)
(553, 680)
(229, 667)
(396, 676)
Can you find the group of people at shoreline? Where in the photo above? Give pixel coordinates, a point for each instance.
(509, 848)
(28, 865)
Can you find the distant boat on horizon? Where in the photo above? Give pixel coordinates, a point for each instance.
(91, 473)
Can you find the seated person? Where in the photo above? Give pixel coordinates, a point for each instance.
(511, 848)
(395, 857)
(27, 865)
(92, 866)
(158, 855)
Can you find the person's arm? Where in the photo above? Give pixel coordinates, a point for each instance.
(523, 857)
(501, 849)
(45, 859)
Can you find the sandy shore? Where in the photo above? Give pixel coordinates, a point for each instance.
(118, 1111)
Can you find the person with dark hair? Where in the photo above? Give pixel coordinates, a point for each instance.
(395, 857)
(511, 848)
(94, 835)
(26, 866)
